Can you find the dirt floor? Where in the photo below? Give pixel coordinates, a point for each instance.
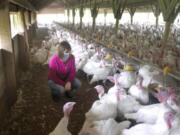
(35, 113)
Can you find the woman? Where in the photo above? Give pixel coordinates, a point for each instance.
(61, 76)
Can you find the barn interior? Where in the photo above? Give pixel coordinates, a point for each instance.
(26, 46)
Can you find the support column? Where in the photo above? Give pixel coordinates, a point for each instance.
(30, 31)
(24, 45)
(105, 15)
(27, 19)
(73, 14)
(34, 24)
(167, 31)
(81, 13)
(170, 10)
(8, 94)
(94, 13)
(35, 19)
(68, 15)
(118, 9)
(157, 12)
(132, 11)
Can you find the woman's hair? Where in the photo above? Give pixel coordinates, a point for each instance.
(65, 45)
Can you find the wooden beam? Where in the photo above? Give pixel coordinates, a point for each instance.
(24, 4)
(7, 55)
(13, 7)
(23, 17)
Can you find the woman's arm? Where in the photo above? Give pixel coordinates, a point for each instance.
(72, 69)
(52, 76)
(52, 72)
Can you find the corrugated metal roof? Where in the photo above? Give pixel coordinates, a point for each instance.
(39, 4)
(23, 3)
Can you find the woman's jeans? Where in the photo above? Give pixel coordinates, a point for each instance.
(57, 89)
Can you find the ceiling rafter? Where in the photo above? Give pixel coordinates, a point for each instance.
(39, 4)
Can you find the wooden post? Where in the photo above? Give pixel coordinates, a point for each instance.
(132, 11)
(27, 19)
(94, 13)
(167, 31)
(34, 24)
(117, 25)
(105, 15)
(170, 10)
(94, 23)
(157, 12)
(81, 13)
(9, 91)
(30, 31)
(34, 18)
(157, 21)
(68, 14)
(25, 47)
(74, 14)
(118, 9)
(23, 18)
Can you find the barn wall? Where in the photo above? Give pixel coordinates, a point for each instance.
(16, 51)
(2, 87)
(2, 76)
(7, 68)
(14, 57)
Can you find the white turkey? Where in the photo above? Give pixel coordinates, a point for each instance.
(41, 56)
(162, 126)
(109, 97)
(176, 123)
(111, 127)
(139, 92)
(92, 127)
(90, 66)
(52, 51)
(146, 113)
(101, 72)
(127, 79)
(104, 108)
(127, 103)
(80, 62)
(96, 57)
(61, 128)
(147, 72)
(104, 127)
(117, 86)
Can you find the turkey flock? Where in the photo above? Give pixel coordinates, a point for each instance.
(126, 108)
(144, 41)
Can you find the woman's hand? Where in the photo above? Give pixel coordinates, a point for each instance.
(68, 86)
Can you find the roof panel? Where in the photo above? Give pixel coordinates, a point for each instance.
(23, 3)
